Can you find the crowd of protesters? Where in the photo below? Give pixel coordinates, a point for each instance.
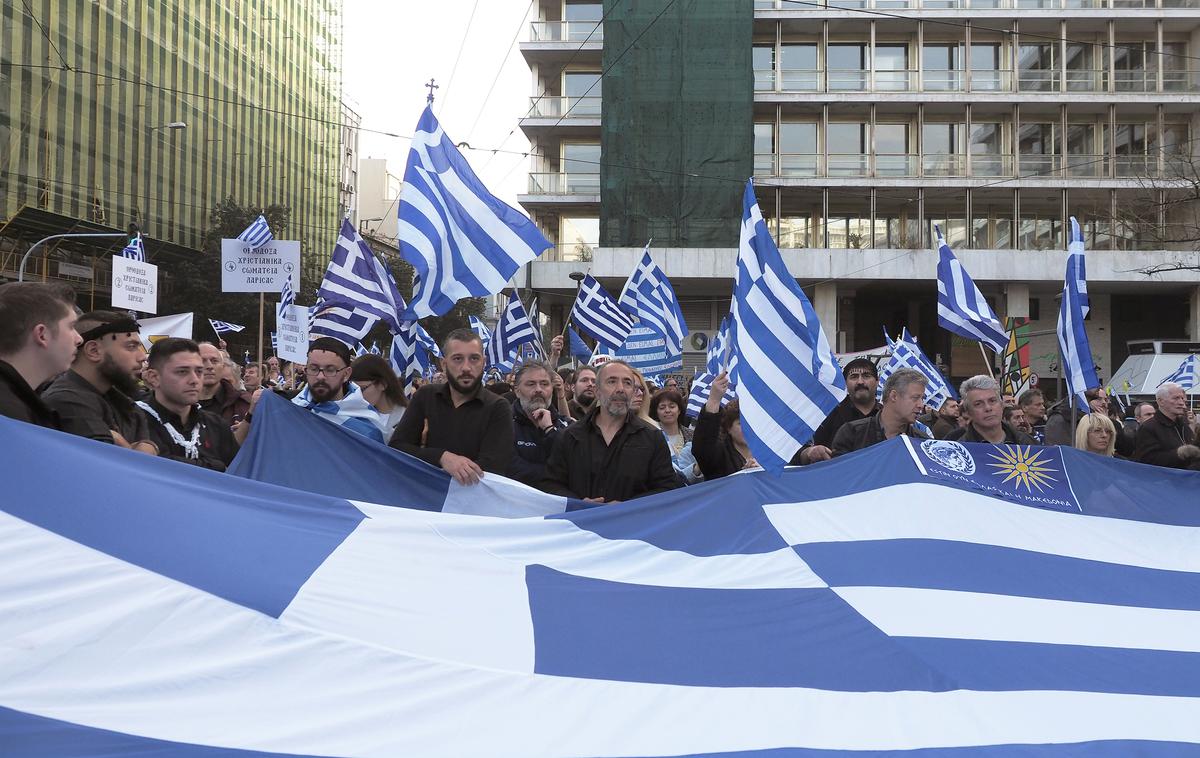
(602, 434)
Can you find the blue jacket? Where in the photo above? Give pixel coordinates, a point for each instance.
(532, 446)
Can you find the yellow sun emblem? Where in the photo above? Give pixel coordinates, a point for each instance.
(1023, 465)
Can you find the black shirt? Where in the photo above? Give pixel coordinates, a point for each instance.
(216, 447)
(1011, 436)
(866, 432)
(637, 462)
(87, 412)
(844, 413)
(19, 401)
(480, 429)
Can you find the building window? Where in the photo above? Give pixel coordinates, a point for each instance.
(578, 237)
(987, 156)
(942, 67)
(848, 146)
(1037, 68)
(847, 66)
(986, 73)
(942, 146)
(798, 151)
(891, 68)
(1039, 148)
(581, 168)
(764, 149)
(799, 69)
(763, 59)
(582, 93)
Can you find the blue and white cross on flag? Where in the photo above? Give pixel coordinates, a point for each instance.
(720, 350)
(1075, 354)
(135, 249)
(356, 279)
(649, 297)
(702, 390)
(597, 314)
(787, 378)
(512, 330)
(257, 234)
(906, 353)
(1185, 375)
(480, 328)
(340, 322)
(286, 295)
(426, 340)
(462, 240)
(962, 308)
(222, 327)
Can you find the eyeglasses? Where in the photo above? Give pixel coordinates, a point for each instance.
(323, 370)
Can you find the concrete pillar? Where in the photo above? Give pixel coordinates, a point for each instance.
(825, 302)
(1016, 300)
(1194, 315)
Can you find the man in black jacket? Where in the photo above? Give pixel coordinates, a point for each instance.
(182, 429)
(862, 381)
(610, 455)
(1165, 439)
(903, 398)
(984, 409)
(536, 425)
(37, 343)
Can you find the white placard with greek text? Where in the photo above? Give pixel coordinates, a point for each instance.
(261, 269)
(291, 329)
(134, 285)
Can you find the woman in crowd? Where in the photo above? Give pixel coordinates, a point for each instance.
(667, 409)
(1096, 434)
(718, 443)
(380, 388)
(640, 402)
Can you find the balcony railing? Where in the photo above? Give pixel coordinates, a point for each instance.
(555, 106)
(819, 5)
(564, 184)
(566, 31)
(981, 80)
(976, 165)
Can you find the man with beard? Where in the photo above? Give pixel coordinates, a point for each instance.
(536, 425)
(610, 455)
(458, 425)
(219, 395)
(903, 398)
(862, 380)
(331, 395)
(37, 343)
(583, 391)
(182, 429)
(92, 399)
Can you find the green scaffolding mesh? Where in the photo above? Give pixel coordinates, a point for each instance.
(677, 102)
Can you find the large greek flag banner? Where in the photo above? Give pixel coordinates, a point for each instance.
(787, 378)
(909, 599)
(462, 240)
(1075, 354)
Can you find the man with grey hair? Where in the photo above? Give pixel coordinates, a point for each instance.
(983, 408)
(1165, 439)
(610, 455)
(903, 399)
(536, 424)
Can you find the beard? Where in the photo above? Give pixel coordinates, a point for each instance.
(536, 403)
(586, 399)
(456, 383)
(122, 380)
(321, 392)
(617, 405)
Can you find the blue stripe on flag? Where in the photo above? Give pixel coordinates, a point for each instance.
(1075, 354)
(597, 314)
(714, 637)
(646, 350)
(257, 234)
(962, 308)
(246, 546)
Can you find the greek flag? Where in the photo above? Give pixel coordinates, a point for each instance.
(356, 279)
(535, 320)
(340, 322)
(1185, 375)
(906, 353)
(286, 295)
(788, 379)
(962, 308)
(702, 390)
(598, 315)
(512, 330)
(135, 249)
(407, 357)
(720, 350)
(221, 327)
(646, 350)
(649, 296)
(480, 328)
(1075, 355)
(462, 240)
(257, 234)
(579, 348)
(274, 342)
(426, 340)
(327, 597)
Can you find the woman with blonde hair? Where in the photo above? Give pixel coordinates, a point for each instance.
(1096, 434)
(640, 402)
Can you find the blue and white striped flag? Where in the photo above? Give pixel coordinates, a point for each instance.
(512, 330)
(135, 249)
(649, 297)
(578, 347)
(646, 351)
(535, 321)
(407, 357)
(480, 328)
(462, 240)
(1185, 375)
(340, 322)
(1075, 354)
(375, 348)
(962, 308)
(257, 234)
(426, 340)
(286, 295)
(221, 327)
(787, 377)
(720, 350)
(356, 279)
(906, 353)
(274, 342)
(359, 350)
(702, 390)
(597, 314)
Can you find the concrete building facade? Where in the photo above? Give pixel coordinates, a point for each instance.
(875, 120)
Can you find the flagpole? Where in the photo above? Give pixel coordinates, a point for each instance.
(986, 362)
(261, 310)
